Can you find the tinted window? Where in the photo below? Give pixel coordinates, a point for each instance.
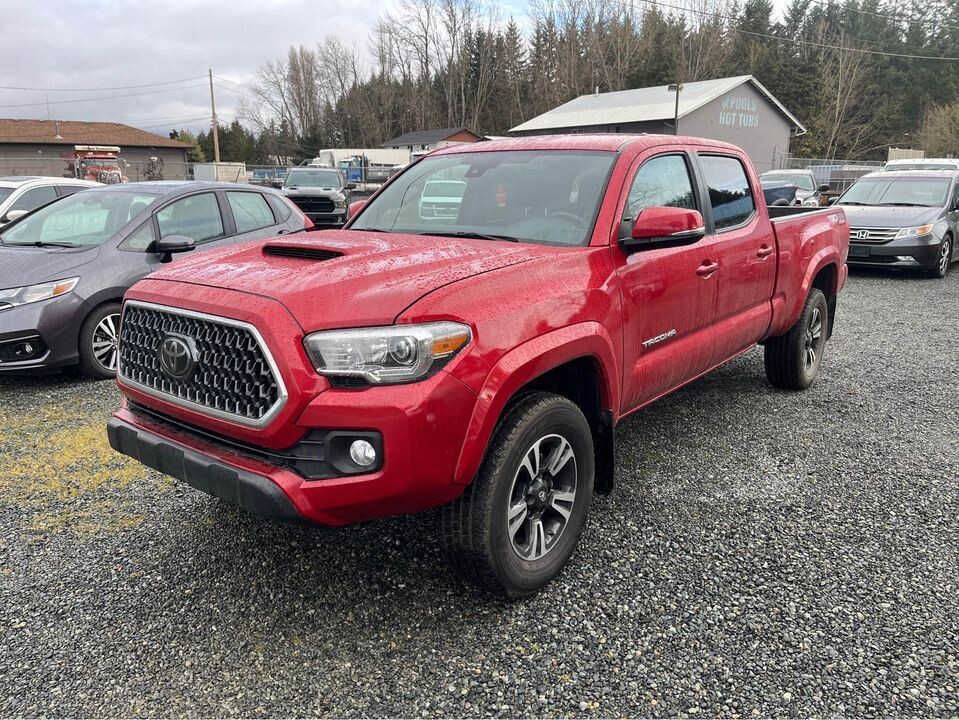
(250, 211)
(196, 217)
(69, 189)
(729, 193)
(661, 182)
(281, 209)
(34, 198)
(87, 218)
(141, 239)
(549, 197)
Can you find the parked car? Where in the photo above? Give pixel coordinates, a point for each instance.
(904, 219)
(65, 266)
(922, 164)
(481, 365)
(441, 199)
(808, 190)
(21, 194)
(320, 193)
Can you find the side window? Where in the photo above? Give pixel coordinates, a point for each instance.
(196, 217)
(65, 190)
(661, 182)
(141, 239)
(34, 198)
(281, 208)
(729, 193)
(250, 211)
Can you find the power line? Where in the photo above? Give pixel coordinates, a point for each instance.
(118, 87)
(658, 3)
(102, 97)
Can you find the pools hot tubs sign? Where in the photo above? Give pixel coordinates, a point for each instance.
(739, 111)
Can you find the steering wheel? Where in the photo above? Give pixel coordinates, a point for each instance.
(569, 217)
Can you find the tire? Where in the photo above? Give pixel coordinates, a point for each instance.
(793, 360)
(943, 259)
(101, 326)
(516, 490)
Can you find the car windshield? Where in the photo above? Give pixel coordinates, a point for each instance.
(803, 182)
(924, 192)
(82, 219)
(549, 198)
(313, 178)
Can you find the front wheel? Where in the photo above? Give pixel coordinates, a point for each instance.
(792, 360)
(940, 267)
(516, 525)
(99, 342)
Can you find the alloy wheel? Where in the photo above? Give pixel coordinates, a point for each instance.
(945, 253)
(542, 497)
(106, 338)
(814, 340)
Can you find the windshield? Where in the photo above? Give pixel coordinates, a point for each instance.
(101, 162)
(83, 219)
(547, 197)
(803, 182)
(313, 178)
(925, 192)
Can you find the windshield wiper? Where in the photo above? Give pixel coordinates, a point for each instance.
(904, 205)
(850, 202)
(41, 243)
(472, 235)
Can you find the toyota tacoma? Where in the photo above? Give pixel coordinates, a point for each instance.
(479, 360)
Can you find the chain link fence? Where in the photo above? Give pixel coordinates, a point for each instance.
(837, 173)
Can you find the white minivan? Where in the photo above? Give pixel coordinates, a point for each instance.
(19, 194)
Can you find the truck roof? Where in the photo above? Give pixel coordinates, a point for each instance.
(609, 142)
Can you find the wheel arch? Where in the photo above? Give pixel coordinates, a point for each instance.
(577, 363)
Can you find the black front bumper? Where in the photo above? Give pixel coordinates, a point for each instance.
(922, 253)
(254, 493)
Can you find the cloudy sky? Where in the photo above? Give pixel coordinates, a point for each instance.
(51, 46)
(144, 62)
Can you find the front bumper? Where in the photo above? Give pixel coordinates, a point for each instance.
(52, 326)
(334, 218)
(922, 252)
(422, 425)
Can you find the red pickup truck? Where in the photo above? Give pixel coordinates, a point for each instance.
(478, 359)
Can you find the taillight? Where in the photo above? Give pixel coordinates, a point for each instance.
(308, 224)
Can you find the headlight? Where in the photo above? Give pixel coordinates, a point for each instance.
(386, 355)
(339, 201)
(914, 231)
(811, 202)
(34, 293)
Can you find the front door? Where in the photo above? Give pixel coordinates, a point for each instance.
(669, 294)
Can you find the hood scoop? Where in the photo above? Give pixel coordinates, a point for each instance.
(301, 252)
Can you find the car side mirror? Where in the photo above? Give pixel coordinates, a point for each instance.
(833, 200)
(824, 188)
(13, 215)
(166, 246)
(354, 208)
(351, 186)
(664, 227)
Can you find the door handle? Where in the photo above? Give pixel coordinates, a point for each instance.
(707, 268)
(764, 251)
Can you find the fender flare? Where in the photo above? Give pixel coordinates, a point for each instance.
(786, 317)
(525, 363)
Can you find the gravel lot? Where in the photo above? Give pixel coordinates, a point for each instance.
(765, 553)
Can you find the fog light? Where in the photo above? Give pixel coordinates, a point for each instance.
(362, 453)
(904, 258)
(23, 350)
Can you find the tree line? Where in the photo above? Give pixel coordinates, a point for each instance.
(861, 75)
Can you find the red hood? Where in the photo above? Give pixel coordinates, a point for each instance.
(375, 277)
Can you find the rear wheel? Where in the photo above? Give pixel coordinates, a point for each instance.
(517, 524)
(792, 360)
(941, 266)
(99, 342)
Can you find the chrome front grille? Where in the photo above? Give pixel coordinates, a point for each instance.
(230, 373)
(872, 235)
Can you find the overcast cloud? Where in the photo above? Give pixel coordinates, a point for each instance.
(62, 44)
(98, 44)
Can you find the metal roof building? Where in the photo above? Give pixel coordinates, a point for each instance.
(735, 109)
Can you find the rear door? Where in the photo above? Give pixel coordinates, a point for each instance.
(669, 294)
(746, 249)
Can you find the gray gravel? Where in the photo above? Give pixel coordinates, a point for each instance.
(765, 553)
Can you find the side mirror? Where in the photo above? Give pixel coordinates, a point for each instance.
(833, 200)
(14, 215)
(824, 187)
(351, 186)
(664, 227)
(165, 247)
(354, 208)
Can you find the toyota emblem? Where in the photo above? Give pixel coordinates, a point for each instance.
(177, 355)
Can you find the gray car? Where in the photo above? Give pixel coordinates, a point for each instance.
(906, 219)
(65, 267)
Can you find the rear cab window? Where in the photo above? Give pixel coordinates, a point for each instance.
(730, 197)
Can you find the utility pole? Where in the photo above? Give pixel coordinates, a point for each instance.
(677, 88)
(216, 137)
